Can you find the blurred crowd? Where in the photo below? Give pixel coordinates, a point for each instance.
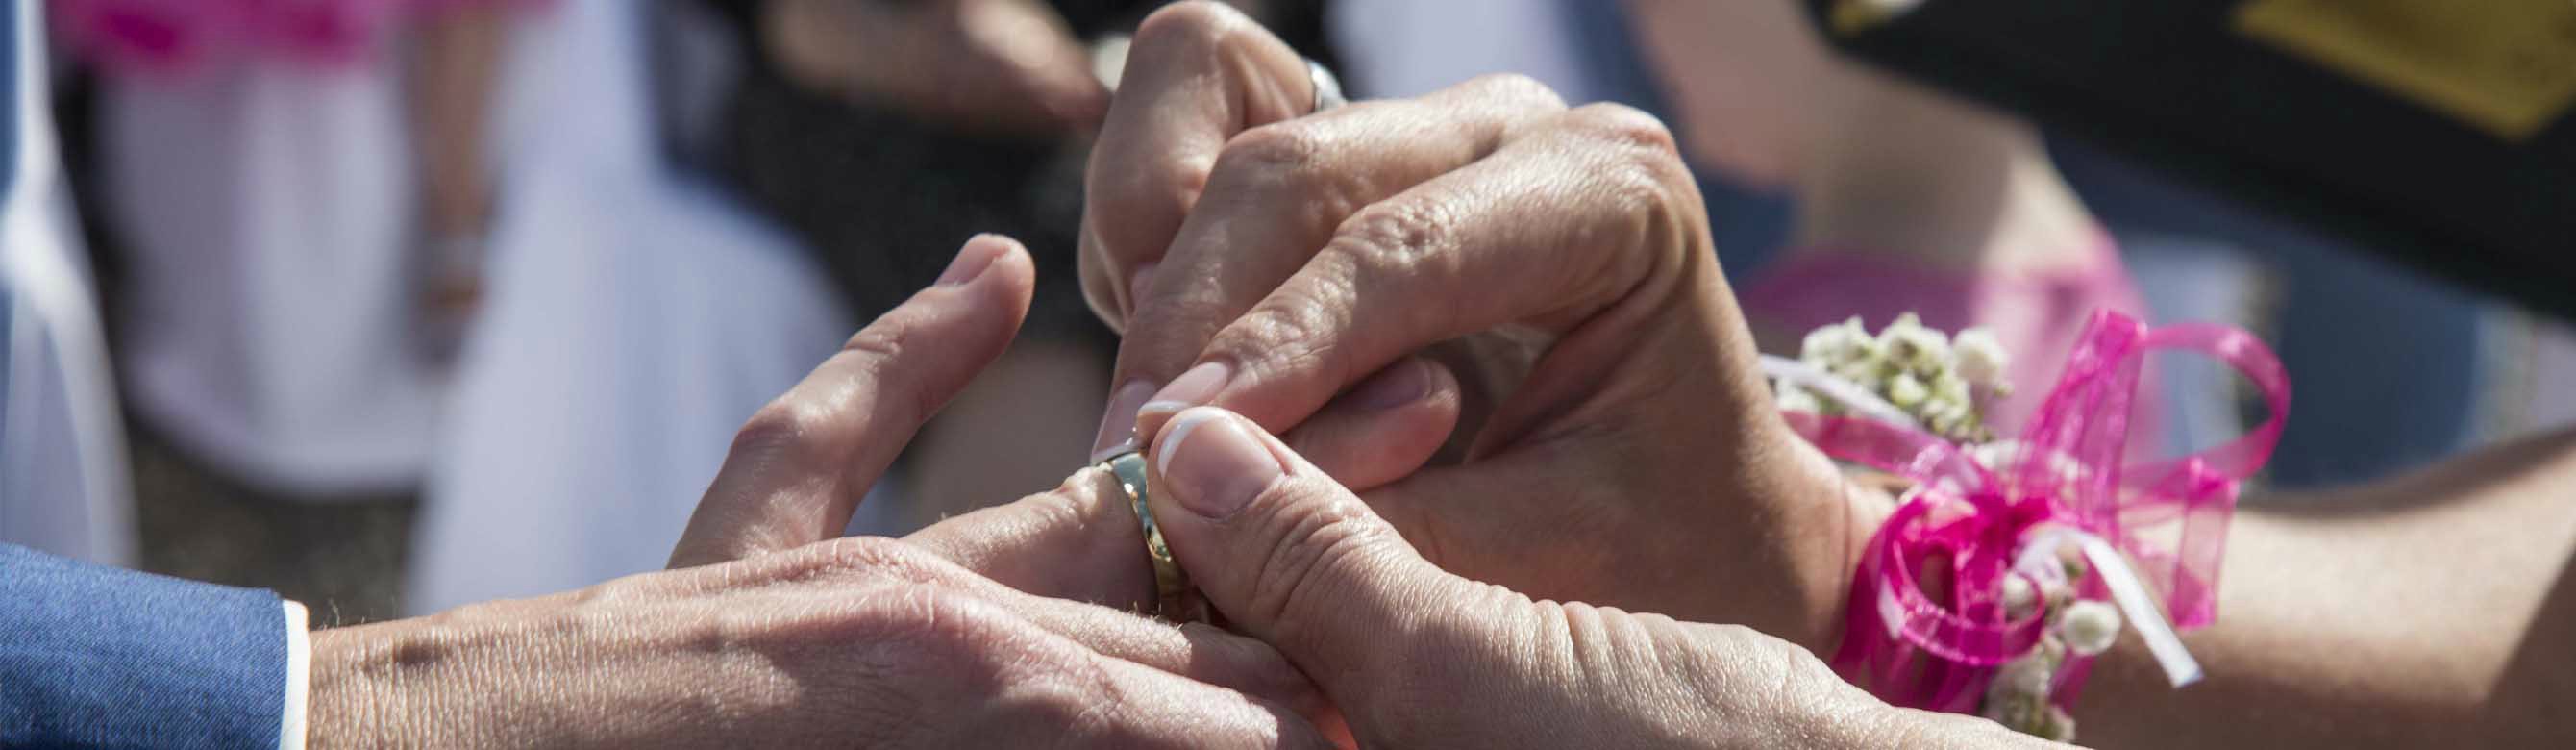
(403, 304)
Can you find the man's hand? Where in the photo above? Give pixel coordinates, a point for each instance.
(776, 634)
(847, 643)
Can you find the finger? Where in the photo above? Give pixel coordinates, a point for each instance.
(1197, 73)
(1081, 541)
(924, 665)
(1591, 223)
(1276, 193)
(1383, 429)
(1295, 560)
(1016, 56)
(840, 567)
(798, 468)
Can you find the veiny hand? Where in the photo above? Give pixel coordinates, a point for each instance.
(990, 65)
(847, 643)
(1419, 658)
(774, 637)
(1620, 446)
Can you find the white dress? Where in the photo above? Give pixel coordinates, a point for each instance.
(267, 206)
(63, 476)
(632, 321)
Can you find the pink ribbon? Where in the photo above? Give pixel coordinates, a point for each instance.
(167, 37)
(2168, 517)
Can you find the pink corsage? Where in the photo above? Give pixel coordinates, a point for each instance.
(2051, 540)
(170, 37)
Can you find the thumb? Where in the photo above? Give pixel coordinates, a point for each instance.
(1286, 554)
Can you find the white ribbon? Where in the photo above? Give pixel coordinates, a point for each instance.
(1831, 386)
(2039, 560)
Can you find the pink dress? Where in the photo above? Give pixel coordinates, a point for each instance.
(177, 36)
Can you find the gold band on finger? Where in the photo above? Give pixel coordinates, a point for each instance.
(1174, 598)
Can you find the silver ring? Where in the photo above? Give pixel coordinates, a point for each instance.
(1328, 87)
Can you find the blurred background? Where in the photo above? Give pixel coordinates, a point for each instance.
(396, 305)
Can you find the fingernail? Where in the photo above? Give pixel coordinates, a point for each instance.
(1192, 388)
(1399, 385)
(1213, 463)
(971, 260)
(1118, 425)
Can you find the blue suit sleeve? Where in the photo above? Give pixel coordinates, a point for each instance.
(99, 657)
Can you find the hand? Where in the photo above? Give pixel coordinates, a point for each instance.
(1418, 657)
(800, 466)
(1000, 65)
(778, 638)
(847, 643)
(1263, 260)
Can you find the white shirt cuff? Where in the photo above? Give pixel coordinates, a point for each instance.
(299, 674)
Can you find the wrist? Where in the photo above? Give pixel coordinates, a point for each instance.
(362, 687)
(1851, 510)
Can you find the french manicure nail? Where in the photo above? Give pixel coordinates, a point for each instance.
(971, 260)
(1118, 425)
(1213, 463)
(1192, 388)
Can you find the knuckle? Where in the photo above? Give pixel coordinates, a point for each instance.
(1515, 88)
(1276, 148)
(1291, 332)
(1627, 126)
(916, 632)
(1396, 237)
(785, 429)
(1187, 25)
(876, 557)
(884, 341)
(1315, 550)
(1288, 158)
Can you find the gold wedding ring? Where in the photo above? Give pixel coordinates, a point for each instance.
(1174, 598)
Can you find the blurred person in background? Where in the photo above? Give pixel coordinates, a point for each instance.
(874, 129)
(630, 315)
(63, 476)
(1770, 116)
(1907, 198)
(289, 196)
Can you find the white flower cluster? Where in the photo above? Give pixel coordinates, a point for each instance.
(1937, 379)
(2018, 697)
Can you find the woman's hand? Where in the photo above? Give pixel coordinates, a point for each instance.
(1418, 657)
(1618, 444)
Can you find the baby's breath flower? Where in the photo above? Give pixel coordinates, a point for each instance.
(1909, 345)
(2089, 627)
(2076, 568)
(2028, 674)
(2020, 598)
(1793, 398)
(1952, 390)
(1836, 345)
(2057, 595)
(1905, 391)
(2054, 725)
(1980, 357)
